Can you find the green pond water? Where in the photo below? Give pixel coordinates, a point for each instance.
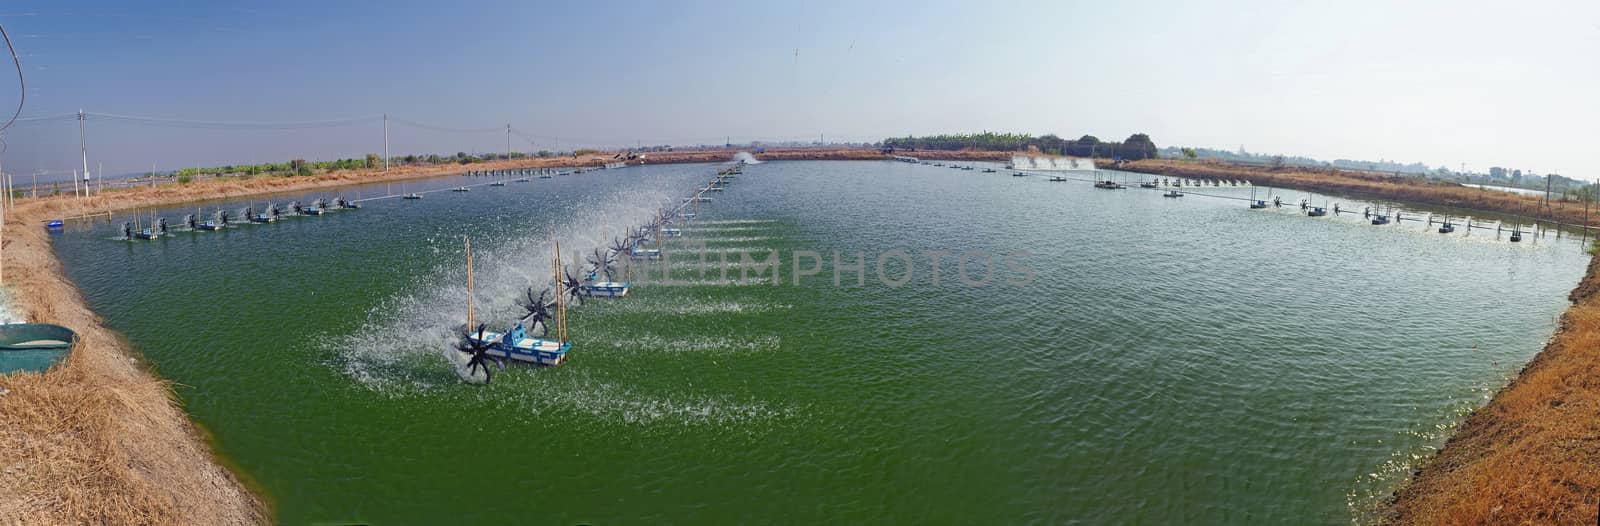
(1170, 360)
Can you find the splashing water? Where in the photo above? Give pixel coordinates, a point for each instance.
(696, 344)
(426, 319)
(746, 157)
(690, 307)
(738, 239)
(733, 221)
(581, 393)
(1028, 162)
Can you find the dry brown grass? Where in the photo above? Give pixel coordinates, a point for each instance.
(1369, 185)
(97, 439)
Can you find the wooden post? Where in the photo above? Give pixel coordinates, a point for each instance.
(1591, 197)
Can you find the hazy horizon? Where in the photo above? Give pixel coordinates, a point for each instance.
(1443, 83)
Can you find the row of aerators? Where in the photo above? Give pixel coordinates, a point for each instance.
(156, 227)
(518, 342)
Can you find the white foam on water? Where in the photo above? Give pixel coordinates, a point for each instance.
(700, 229)
(693, 252)
(732, 221)
(742, 239)
(690, 263)
(691, 307)
(733, 281)
(746, 157)
(694, 344)
(612, 401)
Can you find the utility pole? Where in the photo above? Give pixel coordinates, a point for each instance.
(385, 142)
(83, 146)
(508, 142)
(5, 181)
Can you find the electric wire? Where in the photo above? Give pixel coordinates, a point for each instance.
(22, 91)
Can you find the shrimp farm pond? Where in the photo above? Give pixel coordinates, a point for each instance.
(1130, 358)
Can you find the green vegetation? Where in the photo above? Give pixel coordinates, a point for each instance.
(1135, 147)
(302, 167)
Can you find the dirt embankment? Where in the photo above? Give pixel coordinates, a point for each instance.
(826, 154)
(1366, 184)
(1532, 455)
(98, 440)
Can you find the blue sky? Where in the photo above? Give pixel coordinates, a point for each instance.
(1480, 83)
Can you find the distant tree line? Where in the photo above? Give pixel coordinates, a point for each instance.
(371, 160)
(1135, 147)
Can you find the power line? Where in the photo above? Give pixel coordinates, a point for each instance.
(22, 93)
(47, 118)
(431, 127)
(224, 125)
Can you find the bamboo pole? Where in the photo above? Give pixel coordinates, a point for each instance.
(561, 298)
(471, 318)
